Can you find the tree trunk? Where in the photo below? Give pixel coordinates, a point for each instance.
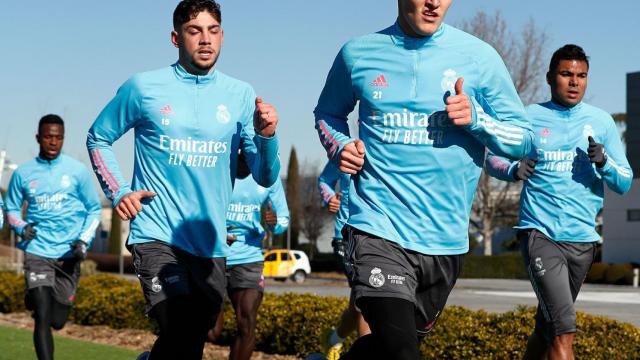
(487, 235)
(115, 234)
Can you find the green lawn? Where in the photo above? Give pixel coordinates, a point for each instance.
(17, 344)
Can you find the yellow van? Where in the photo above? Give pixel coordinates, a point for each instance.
(282, 264)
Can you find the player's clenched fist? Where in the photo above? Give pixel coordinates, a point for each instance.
(352, 157)
(131, 204)
(265, 118)
(459, 106)
(334, 203)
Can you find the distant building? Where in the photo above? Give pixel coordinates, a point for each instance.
(621, 214)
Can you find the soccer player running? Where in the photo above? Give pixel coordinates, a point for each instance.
(431, 97)
(576, 150)
(63, 212)
(245, 283)
(338, 203)
(190, 119)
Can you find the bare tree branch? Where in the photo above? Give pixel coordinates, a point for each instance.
(315, 217)
(497, 203)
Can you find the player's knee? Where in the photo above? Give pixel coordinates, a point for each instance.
(58, 324)
(401, 348)
(424, 328)
(59, 319)
(563, 340)
(246, 324)
(561, 331)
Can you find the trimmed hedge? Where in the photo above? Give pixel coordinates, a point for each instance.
(596, 273)
(109, 300)
(511, 266)
(504, 266)
(617, 274)
(11, 292)
(292, 323)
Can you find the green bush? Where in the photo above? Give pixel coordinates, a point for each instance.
(11, 292)
(504, 266)
(108, 300)
(88, 267)
(596, 273)
(465, 334)
(618, 274)
(292, 323)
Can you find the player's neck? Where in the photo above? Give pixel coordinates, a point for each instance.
(194, 70)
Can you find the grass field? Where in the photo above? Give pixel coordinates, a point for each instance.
(17, 344)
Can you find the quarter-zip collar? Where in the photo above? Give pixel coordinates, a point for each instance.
(187, 77)
(406, 41)
(52, 162)
(564, 110)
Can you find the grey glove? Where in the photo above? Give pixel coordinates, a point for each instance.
(525, 169)
(29, 231)
(596, 153)
(79, 249)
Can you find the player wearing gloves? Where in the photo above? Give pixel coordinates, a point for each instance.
(577, 149)
(63, 212)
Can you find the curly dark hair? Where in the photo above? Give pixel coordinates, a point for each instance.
(189, 9)
(568, 52)
(50, 119)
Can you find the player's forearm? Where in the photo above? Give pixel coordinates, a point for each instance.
(504, 138)
(266, 167)
(618, 178)
(106, 168)
(89, 227)
(16, 222)
(333, 133)
(500, 168)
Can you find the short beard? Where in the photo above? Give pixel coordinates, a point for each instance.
(204, 69)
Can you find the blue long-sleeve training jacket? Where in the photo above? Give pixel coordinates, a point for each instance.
(61, 200)
(243, 215)
(327, 181)
(421, 171)
(565, 193)
(188, 130)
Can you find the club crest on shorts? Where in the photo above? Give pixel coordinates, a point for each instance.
(155, 285)
(539, 267)
(223, 115)
(35, 277)
(376, 279)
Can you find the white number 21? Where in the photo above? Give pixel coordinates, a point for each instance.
(377, 95)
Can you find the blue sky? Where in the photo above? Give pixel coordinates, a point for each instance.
(69, 57)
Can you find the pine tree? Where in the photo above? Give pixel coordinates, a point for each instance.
(293, 198)
(115, 234)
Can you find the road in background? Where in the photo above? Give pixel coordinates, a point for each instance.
(498, 295)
